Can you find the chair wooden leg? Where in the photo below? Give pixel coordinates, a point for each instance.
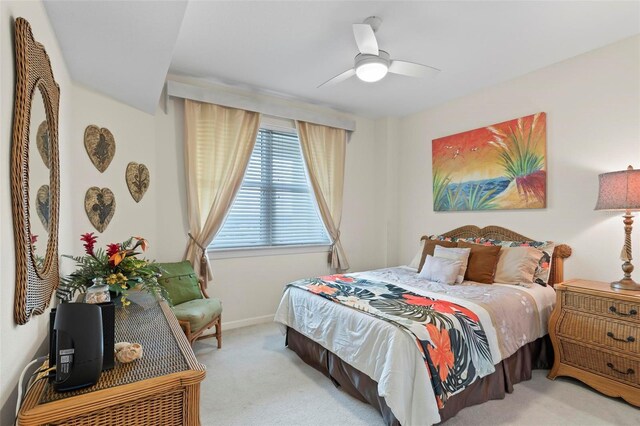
(192, 337)
(219, 331)
(186, 327)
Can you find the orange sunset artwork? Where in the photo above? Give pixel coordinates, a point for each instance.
(502, 166)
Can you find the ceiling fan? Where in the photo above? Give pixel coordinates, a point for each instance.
(372, 64)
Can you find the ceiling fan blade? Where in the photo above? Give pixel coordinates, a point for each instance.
(365, 39)
(339, 78)
(412, 69)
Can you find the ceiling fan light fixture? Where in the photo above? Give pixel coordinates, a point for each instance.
(372, 68)
(371, 72)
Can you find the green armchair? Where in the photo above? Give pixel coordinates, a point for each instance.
(190, 303)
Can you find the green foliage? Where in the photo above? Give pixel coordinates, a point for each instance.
(453, 198)
(457, 199)
(121, 271)
(474, 201)
(440, 184)
(517, 155)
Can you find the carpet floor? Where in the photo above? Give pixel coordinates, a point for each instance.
(255, 380)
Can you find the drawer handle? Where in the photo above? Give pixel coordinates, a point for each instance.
(622, 314)
(629, 339)
(629, 371)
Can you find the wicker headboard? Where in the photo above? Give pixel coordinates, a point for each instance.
(561, 251)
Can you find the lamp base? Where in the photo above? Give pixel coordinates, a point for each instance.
(625, 284)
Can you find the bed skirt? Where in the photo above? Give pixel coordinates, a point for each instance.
(515, 369)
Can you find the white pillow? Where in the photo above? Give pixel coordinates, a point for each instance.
(517, 265)
(455, 253)
(415, 263)
(440, 269)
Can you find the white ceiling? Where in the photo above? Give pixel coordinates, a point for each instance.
(290, 47)
(120, 48)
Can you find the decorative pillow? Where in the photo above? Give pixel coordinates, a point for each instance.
(180, 281)
(455, 253)
(541, 276)
(415, 262)
(430, 245)
(517, 265)
(483, 260)
(440, 269)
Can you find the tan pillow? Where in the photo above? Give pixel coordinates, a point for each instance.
(430, 247)
(482, 262)
(517, 265)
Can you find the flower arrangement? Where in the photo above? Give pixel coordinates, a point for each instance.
(118, 265)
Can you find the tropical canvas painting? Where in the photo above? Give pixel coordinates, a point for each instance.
(502, 166)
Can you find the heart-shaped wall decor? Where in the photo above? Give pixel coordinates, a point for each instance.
(43, 206)
(100, 145)
(100, 205)
(137, 180)
(43, 143)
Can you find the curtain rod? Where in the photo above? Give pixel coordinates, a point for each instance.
(246, 102)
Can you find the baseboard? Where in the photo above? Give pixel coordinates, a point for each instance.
(230, 325)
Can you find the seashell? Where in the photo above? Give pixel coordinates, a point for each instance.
(120, 345)
(129, 353)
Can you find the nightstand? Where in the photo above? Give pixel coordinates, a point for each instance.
(595, 332)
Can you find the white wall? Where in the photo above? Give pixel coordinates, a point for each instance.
(20, 344)
(593, 126)
(250, 287)
(135, 137)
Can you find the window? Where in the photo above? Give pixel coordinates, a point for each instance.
(275, 205)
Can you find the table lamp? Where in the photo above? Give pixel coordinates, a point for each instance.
(621, 191)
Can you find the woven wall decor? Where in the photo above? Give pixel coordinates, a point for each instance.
(42, 141)
(36, 278)
(137, 177)
(43, 206)
(100, 205)
(100, 145)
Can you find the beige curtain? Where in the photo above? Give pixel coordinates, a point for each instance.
(218, 145)
(324, 149)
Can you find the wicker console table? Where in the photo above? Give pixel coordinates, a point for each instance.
(596, 337)
(163, 387)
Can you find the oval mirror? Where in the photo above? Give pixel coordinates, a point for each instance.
(35, 176)
(39, 180)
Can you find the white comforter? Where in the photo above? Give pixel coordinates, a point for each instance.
(510, 315)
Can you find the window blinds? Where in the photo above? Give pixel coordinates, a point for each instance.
(275, 205)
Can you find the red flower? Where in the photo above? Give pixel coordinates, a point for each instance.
(337, 277)
(440, 353)
(34, 239)
(112, 249)
(89, 242)
(439, 305)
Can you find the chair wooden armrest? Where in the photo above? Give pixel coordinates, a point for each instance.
(203, 288)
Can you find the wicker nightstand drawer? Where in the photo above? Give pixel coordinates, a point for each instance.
(596, 361)
(606, 307)
(593, 329)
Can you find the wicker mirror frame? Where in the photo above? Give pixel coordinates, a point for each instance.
(33, 72)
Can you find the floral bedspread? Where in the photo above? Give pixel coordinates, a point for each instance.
(450, 337)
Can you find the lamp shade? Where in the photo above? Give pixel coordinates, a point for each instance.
(619, 190)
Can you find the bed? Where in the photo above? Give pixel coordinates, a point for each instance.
(420, 351)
